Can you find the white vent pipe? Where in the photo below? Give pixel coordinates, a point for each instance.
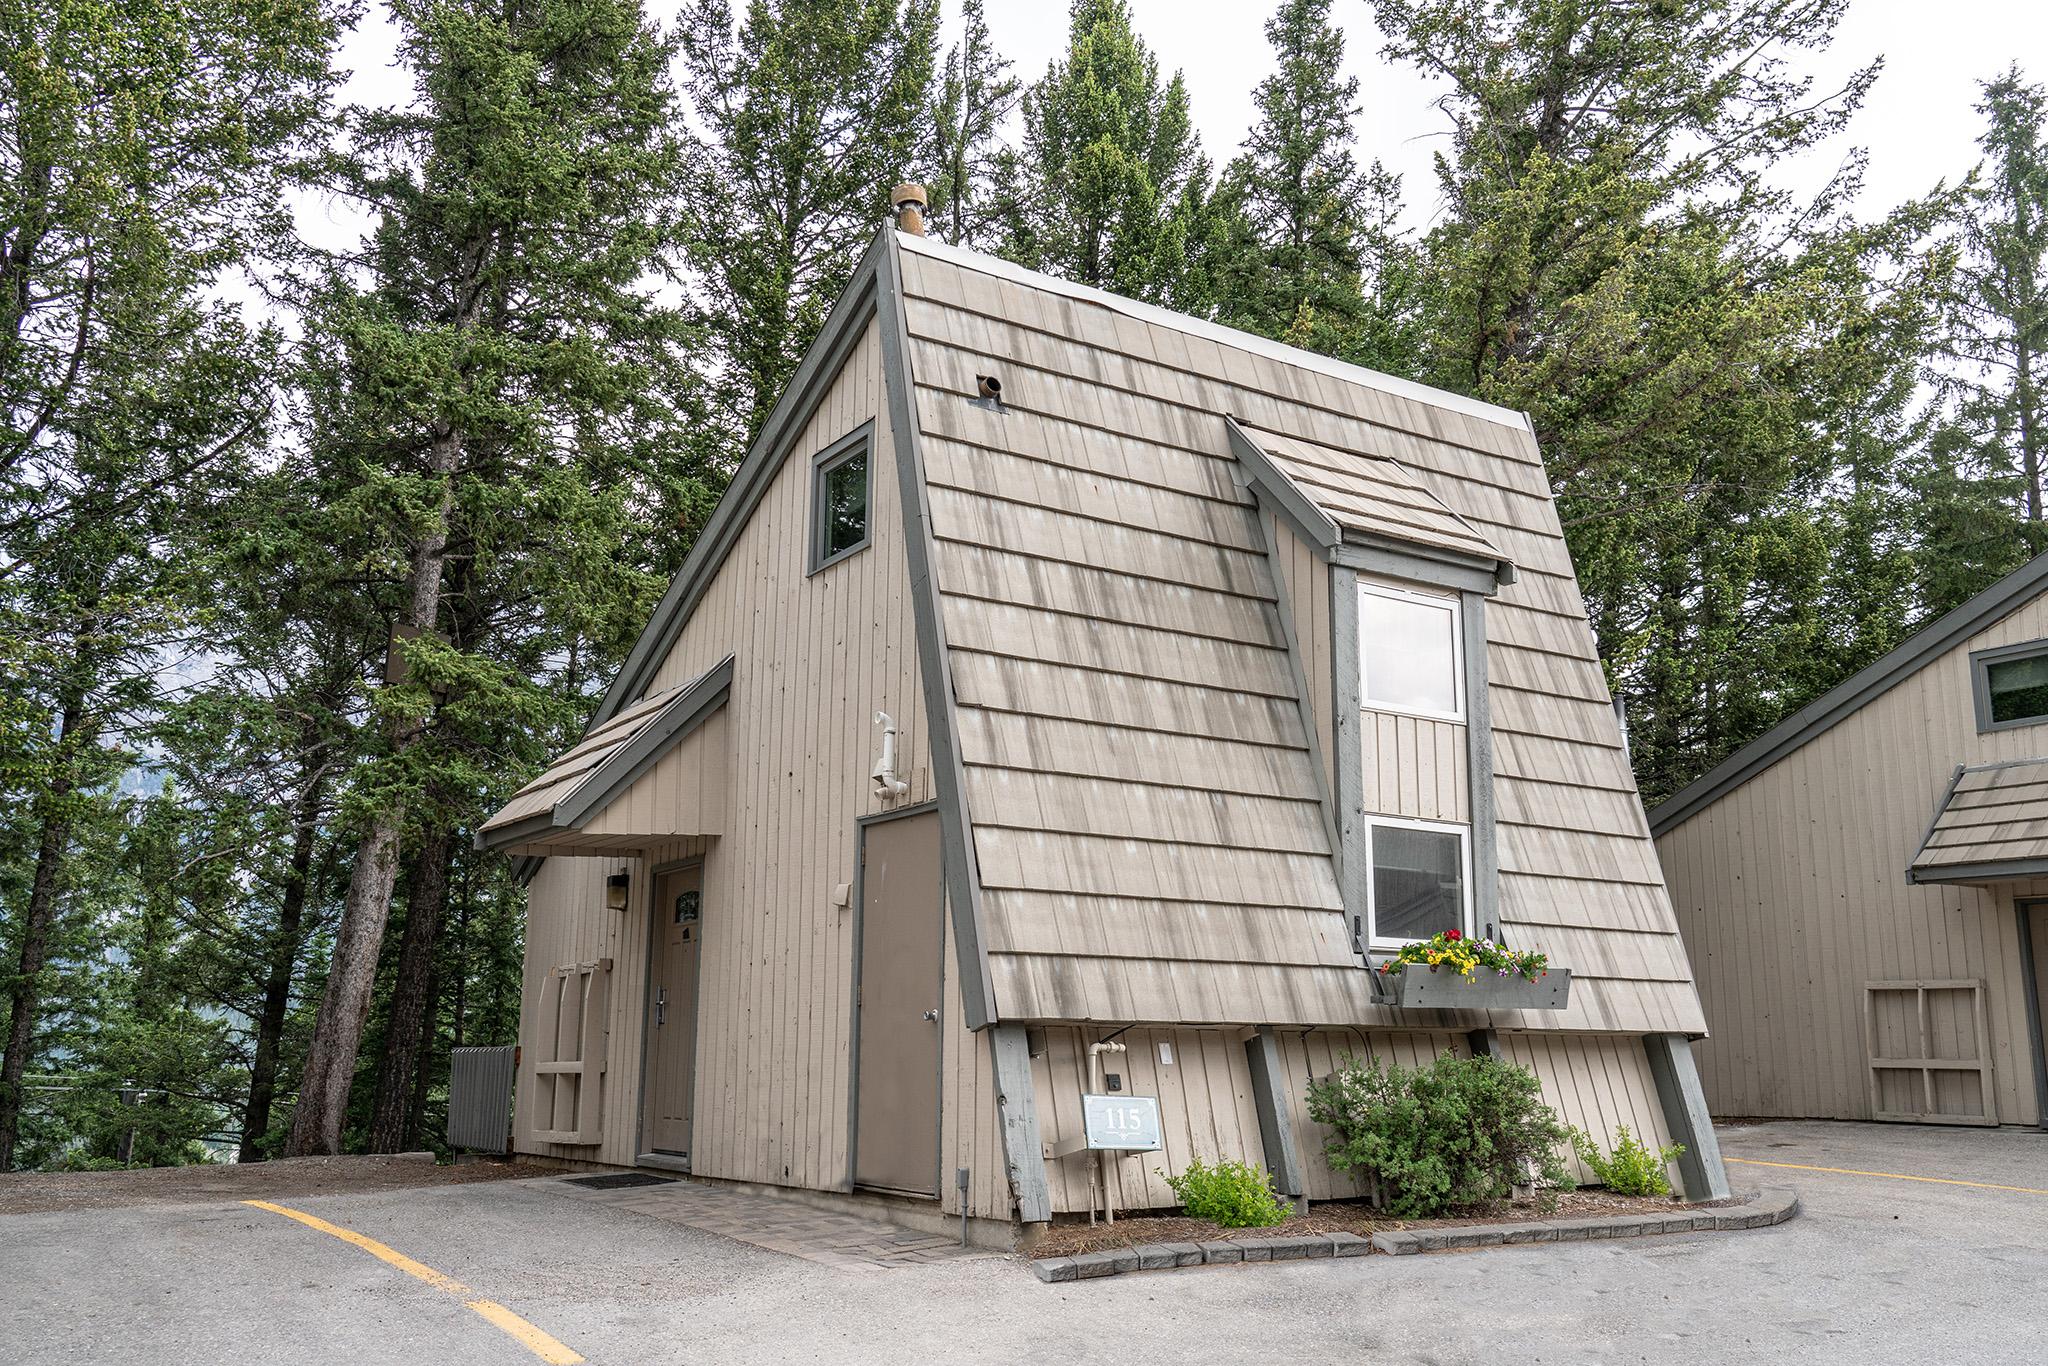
(888, 784)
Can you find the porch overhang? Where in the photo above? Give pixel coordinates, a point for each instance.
(1990, 826)
(655, 771)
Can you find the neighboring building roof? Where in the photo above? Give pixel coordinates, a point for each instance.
(577, 787)
(1828, 710)
(1992, 824)
(1147, 819)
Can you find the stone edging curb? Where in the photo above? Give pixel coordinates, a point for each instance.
(1767, 1207)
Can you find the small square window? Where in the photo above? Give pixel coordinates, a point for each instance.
(2012, 688)
(839, 498)
(1419, 883)
(1411, 657)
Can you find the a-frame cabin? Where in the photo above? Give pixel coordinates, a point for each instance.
(1212, 665)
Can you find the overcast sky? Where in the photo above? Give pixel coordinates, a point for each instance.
(1918, 125)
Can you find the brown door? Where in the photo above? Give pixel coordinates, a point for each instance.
(672, 1010)
(896, 1125)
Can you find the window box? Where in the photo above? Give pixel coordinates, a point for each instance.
(1416, 987)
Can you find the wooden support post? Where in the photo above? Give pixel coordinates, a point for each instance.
(1269, 1094)
(1017, 1109)
(1700, 1170)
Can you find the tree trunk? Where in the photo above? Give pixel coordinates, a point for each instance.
(411, 994)
(286, 941)
(35, 932)
(352, 974)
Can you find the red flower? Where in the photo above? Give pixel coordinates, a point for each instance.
(1453, 934)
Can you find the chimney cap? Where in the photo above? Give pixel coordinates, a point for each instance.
(910, 203)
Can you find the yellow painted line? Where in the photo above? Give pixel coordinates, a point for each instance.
(1889, 1176)
(528, 1336)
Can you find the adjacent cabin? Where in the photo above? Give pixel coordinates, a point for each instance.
(1864, 888)
(1071, 696)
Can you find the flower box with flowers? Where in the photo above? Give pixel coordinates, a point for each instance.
(1453, 972)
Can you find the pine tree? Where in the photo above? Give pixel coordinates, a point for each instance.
(511, 402)
(1996, 440)
(812, 112)
(967, 166)
(1112, 186)
(1296, 198)
(1614, 261)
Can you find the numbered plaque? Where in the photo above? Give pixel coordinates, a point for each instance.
(1123, 1123)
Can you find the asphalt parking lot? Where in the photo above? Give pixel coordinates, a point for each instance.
(1876, 1264)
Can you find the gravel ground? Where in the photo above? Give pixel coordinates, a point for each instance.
(48, 1192)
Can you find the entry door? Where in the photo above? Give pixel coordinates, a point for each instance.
(896, 1126)
(672, 1010)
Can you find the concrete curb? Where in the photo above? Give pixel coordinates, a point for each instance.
(1767, 1207)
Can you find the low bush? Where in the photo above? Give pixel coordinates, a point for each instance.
(1457, 1135)
(1631, 1169)
(1233, 1194)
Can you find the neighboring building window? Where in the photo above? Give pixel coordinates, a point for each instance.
(2012, 685)
(840, 497)
(1420, 880)
(1410, 652)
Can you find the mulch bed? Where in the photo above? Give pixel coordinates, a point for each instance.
(209, 1183)
(1067, 1239)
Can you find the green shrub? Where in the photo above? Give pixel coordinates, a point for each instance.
(1232, 1194)
(1457, 1135)
(1633, 1169)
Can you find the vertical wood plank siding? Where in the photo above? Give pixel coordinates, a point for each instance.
(1110, 615)
(816, 657)
(1598, 1082)
(1792, 893)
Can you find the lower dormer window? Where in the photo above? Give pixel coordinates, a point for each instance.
(1421, 880)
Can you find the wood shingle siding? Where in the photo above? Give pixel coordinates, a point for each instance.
(1111, 610)
(1992, 814)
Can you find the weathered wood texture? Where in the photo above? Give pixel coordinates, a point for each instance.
(1414, 766)
(1995, 813)
(1361, 491)
(816, 657)
(1207, 1110)
(1792, 893)
(1124, 691)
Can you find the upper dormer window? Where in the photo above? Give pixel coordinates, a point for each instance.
(841, 482)
(1411, 652)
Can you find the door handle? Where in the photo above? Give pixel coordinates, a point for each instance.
(660, 1007)
(932, 1015)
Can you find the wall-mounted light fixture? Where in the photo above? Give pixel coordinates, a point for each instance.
(615, 890)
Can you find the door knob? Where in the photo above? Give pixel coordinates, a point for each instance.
(932, 1015)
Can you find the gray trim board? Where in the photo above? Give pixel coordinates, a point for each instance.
(1832, 707)
(2008, 870)
(1272, 487)
(963, 888)
(1344, 711)
(1701, 1172)
(858, 442)
(1479, 769)
(1980, 683)
(1009, 1049)
(840, 334)
(1269, 1097)
(1401, 561)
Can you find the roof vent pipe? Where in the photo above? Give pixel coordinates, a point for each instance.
(910, 203)
(888, 784)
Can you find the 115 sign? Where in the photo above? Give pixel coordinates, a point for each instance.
(1124, 1123)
